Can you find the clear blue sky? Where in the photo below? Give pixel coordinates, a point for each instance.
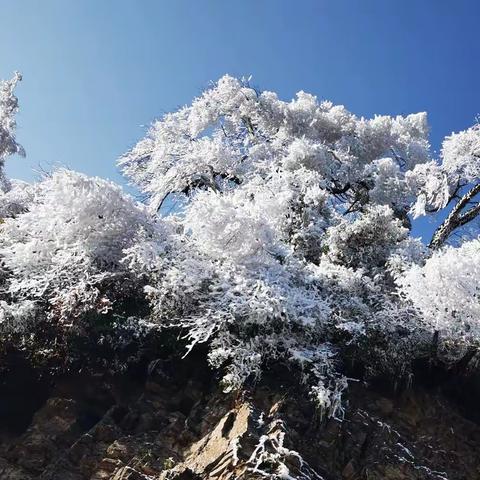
(97, 71)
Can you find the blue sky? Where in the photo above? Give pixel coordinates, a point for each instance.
(96, 72)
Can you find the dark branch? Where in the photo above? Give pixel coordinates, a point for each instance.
(458, 217)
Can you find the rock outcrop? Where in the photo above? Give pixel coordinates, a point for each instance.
(174, 423)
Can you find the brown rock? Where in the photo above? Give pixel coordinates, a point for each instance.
(177, 431)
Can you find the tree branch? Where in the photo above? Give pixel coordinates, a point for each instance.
(457, 218)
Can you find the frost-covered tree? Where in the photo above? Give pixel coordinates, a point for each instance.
(460, 164)
(445, 289)
(65, 254)
(13, 194)
(8, 143)
(295, 217)
(289, 244)
(233, 133)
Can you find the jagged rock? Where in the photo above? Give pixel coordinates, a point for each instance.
(127, 473)
(180, 426)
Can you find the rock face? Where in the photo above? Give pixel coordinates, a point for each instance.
(175, 424)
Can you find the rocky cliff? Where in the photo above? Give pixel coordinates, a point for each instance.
(168, 420)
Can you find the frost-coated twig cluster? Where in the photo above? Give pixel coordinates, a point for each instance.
(289, 243)
(271, 459)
